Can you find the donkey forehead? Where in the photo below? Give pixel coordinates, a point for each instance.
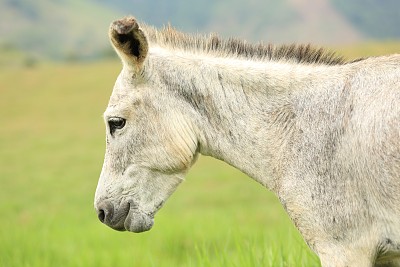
(125, 89)
(119, 105)
(125, 82)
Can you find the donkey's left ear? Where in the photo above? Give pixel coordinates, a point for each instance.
(129, 41)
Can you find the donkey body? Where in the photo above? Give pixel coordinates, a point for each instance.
(321, 133)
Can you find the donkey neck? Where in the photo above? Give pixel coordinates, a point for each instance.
(244, 108)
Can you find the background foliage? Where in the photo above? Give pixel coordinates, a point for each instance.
(73, 29)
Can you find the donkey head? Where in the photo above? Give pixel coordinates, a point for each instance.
(150, 142)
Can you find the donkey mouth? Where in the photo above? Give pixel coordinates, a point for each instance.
(126, 217)
(138, 222)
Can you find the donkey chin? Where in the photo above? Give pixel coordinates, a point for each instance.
(126, 217)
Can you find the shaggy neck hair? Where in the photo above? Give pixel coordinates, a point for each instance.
(212, 44)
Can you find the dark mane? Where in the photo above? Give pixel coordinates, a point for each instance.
(170, 37)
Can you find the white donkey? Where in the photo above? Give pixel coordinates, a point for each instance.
(321, 133)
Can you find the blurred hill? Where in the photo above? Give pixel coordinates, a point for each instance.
(56, 29)
(73, 29)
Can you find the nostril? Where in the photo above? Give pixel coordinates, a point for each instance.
(105, 212)
(101, 215)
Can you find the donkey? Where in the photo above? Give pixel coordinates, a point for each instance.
(323, 134)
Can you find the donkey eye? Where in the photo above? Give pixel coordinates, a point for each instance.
(116, 123)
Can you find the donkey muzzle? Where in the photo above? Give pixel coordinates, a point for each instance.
(125, 217)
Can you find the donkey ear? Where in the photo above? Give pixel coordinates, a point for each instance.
(129, 41)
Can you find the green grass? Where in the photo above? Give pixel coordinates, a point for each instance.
(51, 152)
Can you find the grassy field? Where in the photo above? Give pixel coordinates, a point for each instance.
(51, 152)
